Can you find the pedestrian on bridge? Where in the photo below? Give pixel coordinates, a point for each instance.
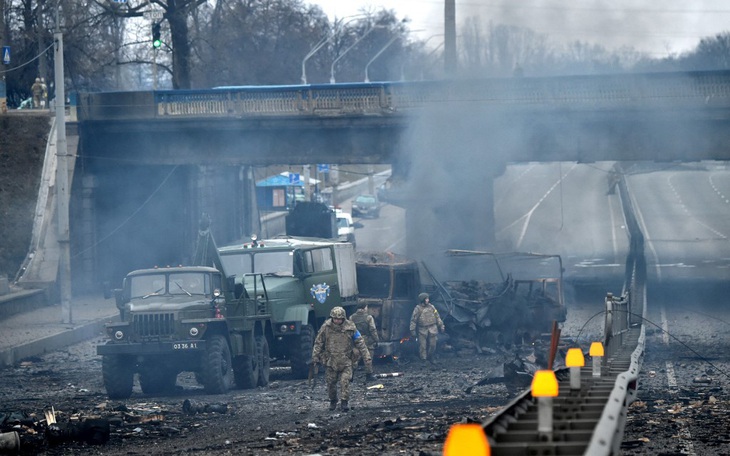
(44, 94)
(37, 89)
(426, 324)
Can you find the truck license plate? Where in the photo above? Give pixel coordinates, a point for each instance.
(185, 346)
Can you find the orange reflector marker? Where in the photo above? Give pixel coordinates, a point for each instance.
(596, 352)
(466, 440)
(545, 388)
(596, 349)
(575, 358)
(544, 384)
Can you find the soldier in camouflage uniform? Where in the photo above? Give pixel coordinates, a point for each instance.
(427, 322)
(333, 347)
(366, 325)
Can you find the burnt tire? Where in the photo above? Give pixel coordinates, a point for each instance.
(262, 353)
(157, 380)
(118, 374)
(216, 369)
(301, 352)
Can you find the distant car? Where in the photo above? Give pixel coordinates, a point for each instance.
(366, 206)
(345, 227)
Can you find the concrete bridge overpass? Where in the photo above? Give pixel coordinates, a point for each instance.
(581, 118)
(148, 163)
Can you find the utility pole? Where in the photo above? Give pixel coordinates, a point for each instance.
(3, 91)
(450, 37)
(62, 190)
(41, 45)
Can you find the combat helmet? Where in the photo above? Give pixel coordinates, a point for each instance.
(422, 297)
(338, 312)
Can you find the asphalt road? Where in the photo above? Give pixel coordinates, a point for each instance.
(565, 209)
(684, 213)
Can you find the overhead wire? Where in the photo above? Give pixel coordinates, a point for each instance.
(662, 330)
(29, 61)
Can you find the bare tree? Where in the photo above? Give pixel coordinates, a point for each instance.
(177, 14)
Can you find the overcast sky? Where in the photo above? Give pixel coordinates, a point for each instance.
(659, 27)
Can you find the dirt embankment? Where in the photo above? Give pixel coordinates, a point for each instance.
(23, 140)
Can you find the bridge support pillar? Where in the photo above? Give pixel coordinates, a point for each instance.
(227, 195)
(87, 276)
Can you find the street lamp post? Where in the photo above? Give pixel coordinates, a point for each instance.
(62, 190)
(387, 45)
(334, 62)
(316, 48)
(324, 41)
(391, 41)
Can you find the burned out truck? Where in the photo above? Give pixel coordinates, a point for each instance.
(499, 298)
(389, 284)
(187, 318)
(305, 278)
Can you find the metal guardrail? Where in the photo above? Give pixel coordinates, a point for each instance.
(590, 420)
(685, 90)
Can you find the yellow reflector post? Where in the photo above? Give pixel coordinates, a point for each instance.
(575, 358)
(466, 440)
(544, 384)
(596, 352)
(596, 349)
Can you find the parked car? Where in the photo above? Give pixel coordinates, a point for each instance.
(366, 206)
(345, 227)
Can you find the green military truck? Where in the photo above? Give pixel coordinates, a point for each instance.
(188, 318)
(305, 278)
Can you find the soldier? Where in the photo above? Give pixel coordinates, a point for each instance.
(333, 347)
(37, 90)
(427, 322)
(44, 93)
(366, 325)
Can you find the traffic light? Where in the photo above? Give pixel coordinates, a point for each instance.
(156, 40)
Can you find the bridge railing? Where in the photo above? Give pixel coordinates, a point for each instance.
(698, 90)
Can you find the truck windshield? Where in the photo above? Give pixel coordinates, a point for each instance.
(272, 262)
(189, 283)
(147, 285)
(342, 222)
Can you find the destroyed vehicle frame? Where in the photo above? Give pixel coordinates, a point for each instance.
(506, 307)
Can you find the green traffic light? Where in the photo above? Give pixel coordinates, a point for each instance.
(156, 38)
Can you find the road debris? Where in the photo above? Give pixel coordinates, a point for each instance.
(192, 407)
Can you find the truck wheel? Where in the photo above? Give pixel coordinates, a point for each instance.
(262, 353)
(118, 375)
(301, 352)
(216, 367)
(159, 380)
(246, 371)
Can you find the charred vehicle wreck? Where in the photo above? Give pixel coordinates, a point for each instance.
(499, 299)
(389, 284)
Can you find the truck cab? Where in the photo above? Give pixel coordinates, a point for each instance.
(305, 278)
